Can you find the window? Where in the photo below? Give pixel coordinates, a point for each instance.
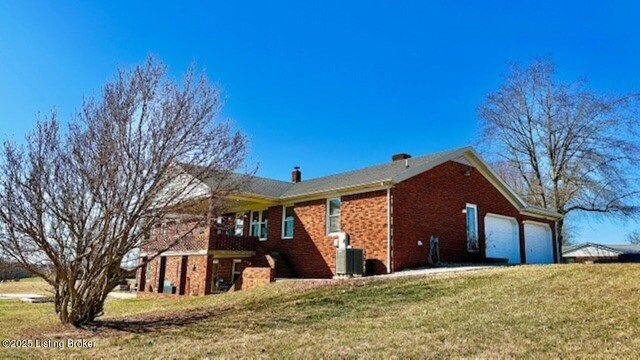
(236, 270)
(333, 215)
(287, 222)
(215, 277)
(239, 228)
(259, 224)
(229, 224)
(472, 227)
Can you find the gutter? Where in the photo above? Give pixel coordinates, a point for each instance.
(540, 213)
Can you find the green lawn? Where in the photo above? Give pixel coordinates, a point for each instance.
(528, 311)
(26, 286)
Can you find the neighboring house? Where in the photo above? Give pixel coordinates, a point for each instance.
(389, 210)
(590, 252)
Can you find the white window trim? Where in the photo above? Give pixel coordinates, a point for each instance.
(260, 221)
(328, 223)
(239, 216)
(284, 217)
(475, 207)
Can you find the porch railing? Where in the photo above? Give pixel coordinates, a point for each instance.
(233, 242)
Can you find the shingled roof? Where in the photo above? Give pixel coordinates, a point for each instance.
(366, 176)
(376, 174)
(387, 173)
(247, 184)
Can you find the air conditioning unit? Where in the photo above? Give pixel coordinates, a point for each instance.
(168, 288)
(349, 262)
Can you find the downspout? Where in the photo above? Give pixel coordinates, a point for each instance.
(389, 229)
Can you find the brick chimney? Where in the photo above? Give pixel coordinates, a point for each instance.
(401, 156)
(296, 175)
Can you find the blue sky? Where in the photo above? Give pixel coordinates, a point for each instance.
(330, 85)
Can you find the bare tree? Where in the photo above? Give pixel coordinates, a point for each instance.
(78, 201)
(634, 237)
(570, 149)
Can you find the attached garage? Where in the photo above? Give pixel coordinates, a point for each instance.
(502, 238)
(538, 242)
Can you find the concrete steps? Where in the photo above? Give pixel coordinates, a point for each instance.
(283, 269)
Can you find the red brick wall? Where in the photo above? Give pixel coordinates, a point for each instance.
(172, 272)
(431, 203)
(311, 252)
(151, 285)
(364, 218)
(254, 277)
(197, 275)
(595, 259)
(198, 239)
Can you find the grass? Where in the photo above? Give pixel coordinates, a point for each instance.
(529, 311)
(25, 286)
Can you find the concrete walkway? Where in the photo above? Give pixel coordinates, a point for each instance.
(413, 272)
(122, 295)
(30, 298)
(19, 296)
(435, 271)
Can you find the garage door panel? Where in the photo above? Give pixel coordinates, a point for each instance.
(538, 243)
(502, 240)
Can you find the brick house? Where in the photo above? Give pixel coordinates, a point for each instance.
(276, 228)
(589, 253)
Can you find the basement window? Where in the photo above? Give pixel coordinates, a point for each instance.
(287, 222)
(471, 212)
(333, 215)
(259, 224)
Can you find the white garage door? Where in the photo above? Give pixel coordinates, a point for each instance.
(502, 241)
(537, 243)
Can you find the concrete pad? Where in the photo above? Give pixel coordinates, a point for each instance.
(19, 296)
(38, 300)
(122, 295)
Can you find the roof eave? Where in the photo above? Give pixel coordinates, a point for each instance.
(378, 184)
(541, 212)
